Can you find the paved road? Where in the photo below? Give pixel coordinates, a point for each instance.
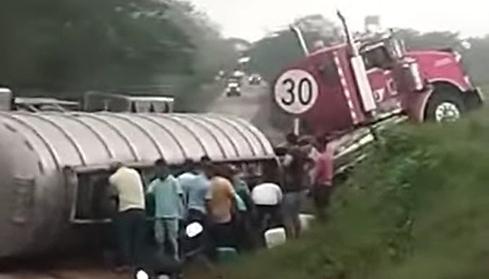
(246, 106)
(253, 105)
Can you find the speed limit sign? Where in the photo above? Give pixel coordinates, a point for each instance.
(296, 91)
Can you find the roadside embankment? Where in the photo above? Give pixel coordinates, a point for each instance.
(417, 207)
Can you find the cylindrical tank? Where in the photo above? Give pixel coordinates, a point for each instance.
(35, 149)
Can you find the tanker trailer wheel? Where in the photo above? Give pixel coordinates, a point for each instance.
(445, 105)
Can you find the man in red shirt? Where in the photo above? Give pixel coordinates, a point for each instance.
(323, 176)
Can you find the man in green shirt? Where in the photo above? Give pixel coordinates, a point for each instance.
(169, 205)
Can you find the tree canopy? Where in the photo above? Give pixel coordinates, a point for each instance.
(273, 53)
(475, 59)
(73, 45)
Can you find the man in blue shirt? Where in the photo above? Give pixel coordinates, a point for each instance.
(169, 205)
(195, 184)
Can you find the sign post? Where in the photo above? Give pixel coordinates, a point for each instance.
(297, 126)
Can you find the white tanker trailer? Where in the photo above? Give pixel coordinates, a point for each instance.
(50, 163)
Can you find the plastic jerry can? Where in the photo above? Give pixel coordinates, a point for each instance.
(275, 237)
(306, 220)
(226, 255)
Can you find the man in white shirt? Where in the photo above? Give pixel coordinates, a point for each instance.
(267, 198)
(128, 188)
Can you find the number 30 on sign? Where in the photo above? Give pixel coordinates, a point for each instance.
(296, 91)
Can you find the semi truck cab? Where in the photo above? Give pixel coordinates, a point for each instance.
(372, 77)
(395, 74)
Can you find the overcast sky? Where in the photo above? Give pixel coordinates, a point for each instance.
(251, 19)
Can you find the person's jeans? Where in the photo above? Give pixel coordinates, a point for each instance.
(272, 213)
(130, 227)
(268, 217)
(222, 235)
(292, 205)
(321, 195)
(167, 229)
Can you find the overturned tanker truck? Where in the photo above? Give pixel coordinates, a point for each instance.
(349, 89)
(54, 166)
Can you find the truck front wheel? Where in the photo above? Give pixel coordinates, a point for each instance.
(445, 106)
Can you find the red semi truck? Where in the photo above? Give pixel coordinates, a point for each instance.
(337, 90)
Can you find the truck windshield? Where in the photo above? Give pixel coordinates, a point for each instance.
(378, 57)
(396, 47)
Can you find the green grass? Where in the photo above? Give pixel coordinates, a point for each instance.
(418, 207)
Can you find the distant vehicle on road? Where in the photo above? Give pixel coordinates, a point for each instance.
(220, 75)
(237, 75)
(254, 79)
(233, 89)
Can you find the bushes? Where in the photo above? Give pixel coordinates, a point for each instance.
(418, 207)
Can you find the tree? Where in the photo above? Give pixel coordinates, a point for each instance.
(72, 45)
(211, 54)
(281, 49)
(317, 27)
(431, 40)
(475, 59)
(277, 51)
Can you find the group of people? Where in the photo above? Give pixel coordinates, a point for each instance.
(220, 198)
(308, 170)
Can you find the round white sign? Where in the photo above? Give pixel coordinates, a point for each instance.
(296, 91)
